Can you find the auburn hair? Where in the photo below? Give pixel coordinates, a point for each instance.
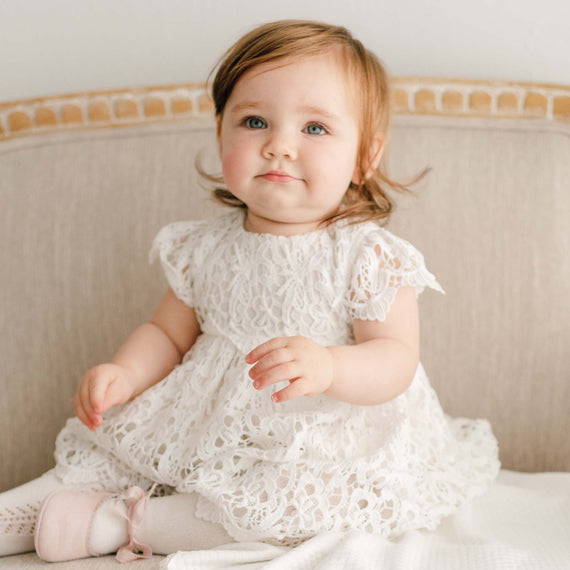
(367, 200)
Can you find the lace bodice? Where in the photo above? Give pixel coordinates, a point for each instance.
(312, 284)
(284, 472)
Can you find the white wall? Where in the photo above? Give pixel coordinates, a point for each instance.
(58, 46)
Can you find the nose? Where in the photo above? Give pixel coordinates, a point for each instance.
(279, 145)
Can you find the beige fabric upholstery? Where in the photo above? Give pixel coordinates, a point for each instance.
(492, 221)
(79, 210)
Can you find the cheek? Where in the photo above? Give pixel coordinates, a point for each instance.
(336, 165)
(234, 159)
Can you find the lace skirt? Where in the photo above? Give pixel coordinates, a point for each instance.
(284, 472)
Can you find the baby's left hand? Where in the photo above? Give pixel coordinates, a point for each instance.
(306, 365)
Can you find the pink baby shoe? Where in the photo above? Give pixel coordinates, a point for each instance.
(64, 526)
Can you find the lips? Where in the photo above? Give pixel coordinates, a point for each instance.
(277, 176)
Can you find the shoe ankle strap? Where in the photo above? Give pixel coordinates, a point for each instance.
(136, 501)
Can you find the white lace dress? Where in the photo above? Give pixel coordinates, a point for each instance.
(285, 472)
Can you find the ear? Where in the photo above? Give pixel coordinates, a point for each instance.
(375, 155)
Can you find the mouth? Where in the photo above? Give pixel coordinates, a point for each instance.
(277, 176)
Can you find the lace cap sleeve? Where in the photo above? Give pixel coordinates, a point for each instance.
(384, 263)
(174, 245)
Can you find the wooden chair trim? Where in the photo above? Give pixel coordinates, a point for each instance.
(411, 95)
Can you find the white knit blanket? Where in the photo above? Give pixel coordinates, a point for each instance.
(522, 523)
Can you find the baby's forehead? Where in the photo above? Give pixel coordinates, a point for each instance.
(322, 75)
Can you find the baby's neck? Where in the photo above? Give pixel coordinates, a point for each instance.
(254, 223)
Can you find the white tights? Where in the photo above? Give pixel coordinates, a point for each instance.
(169, 523)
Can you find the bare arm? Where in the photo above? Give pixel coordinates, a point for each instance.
(156, 347)
(382, 363)
(376, 369)
(146, 357)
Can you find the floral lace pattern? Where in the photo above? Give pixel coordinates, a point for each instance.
(284, 472)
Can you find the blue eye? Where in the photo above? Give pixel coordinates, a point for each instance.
(314, 129)
(254, 123)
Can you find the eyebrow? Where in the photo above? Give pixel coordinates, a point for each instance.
(313, 109)
(318, 111)
(245, 105)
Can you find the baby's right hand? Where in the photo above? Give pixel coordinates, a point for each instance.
(101, 388)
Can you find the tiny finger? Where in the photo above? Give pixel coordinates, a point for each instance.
(283, 372)
(92, 414)
(294, 390)
(85, 418)
(97, 390)
(263, 349)
(271, 360)
(84, 397)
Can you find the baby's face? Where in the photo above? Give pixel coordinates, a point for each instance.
(288, 142)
